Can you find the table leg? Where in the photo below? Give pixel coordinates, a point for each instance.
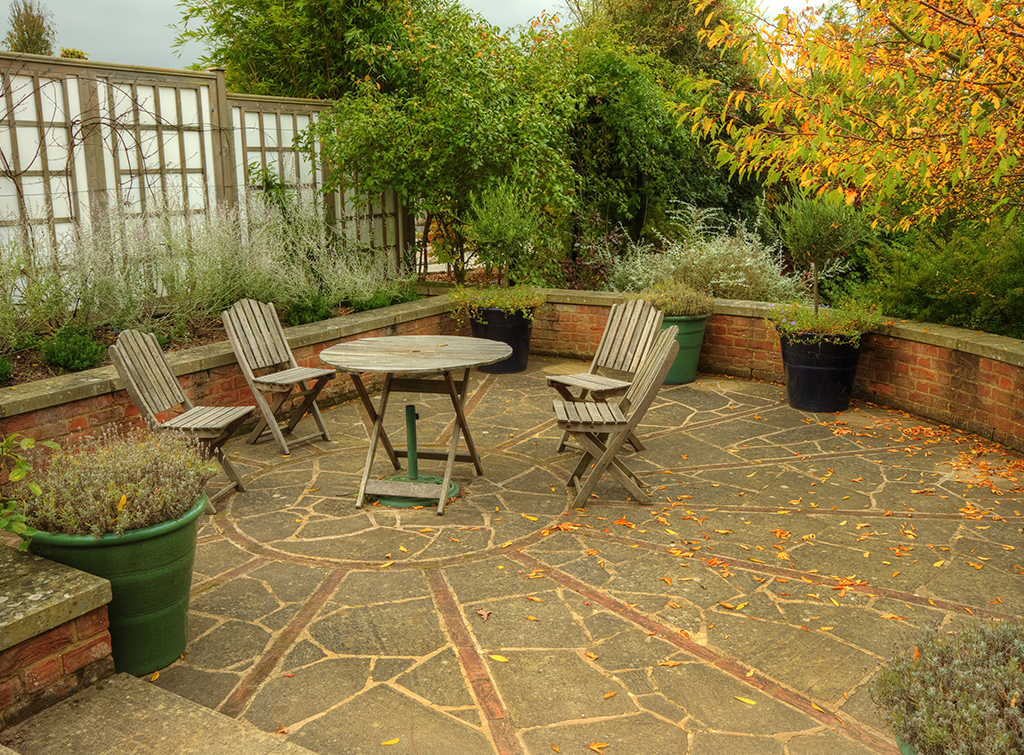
(458, 403)
(372, 414)
(375, 435)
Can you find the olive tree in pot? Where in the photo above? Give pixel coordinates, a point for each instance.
(957, 693)
(820, 345)
(125, 508)
(689, 310)
(503, 229)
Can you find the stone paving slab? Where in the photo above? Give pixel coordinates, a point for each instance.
(745, 609)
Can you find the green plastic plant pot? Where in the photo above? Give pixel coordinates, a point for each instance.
(690, 338)
(905, 749)
(150, 575)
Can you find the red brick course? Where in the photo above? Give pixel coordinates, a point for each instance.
(43, 670)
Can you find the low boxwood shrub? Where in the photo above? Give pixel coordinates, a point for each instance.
(73, 350)
(310, 307)
(385, 299)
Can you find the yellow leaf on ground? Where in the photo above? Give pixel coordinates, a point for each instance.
(940, 562)
(122, 502)
(669, 664)
(156, 675)
(527, 516)
(533, 618)
(394, 741)
(535, 599)
(555, 748)
(499, 658)
(597, 746)
(610, 694)
(745, 700)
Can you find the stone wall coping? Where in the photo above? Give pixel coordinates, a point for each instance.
(43, 394)
(979, 343)
(37, 594)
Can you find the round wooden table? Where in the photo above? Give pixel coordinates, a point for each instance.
(414, 364)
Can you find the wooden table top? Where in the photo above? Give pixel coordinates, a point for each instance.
(414, 355)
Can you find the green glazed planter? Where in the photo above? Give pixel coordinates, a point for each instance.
(905, 749)
(150, 575)
(690, 338)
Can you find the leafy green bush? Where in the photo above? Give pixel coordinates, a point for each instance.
(13, 462)
(972, 279)
(73, 350)
(6, 368)
(310, 307)
(113, 484)
(957, 694)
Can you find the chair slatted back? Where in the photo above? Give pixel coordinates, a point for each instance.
(651, 375)
(631, 329)
(147, 376)
(256, 333)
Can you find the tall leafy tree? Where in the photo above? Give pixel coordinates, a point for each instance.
(31, 28)
(455, 109)
(293, 48)
(913, 108)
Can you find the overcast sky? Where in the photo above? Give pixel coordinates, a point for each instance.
(139, 33)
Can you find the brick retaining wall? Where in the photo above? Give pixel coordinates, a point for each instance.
(53, 666)
(970, 380)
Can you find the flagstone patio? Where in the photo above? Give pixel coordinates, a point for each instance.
(745, 611)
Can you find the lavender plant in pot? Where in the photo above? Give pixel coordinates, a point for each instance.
(957, 693)
(125, 508)
(689, 310)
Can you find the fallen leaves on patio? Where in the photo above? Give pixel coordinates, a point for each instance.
(483, 614)
(746, 700)
(394, 741)
(499, 658)
(597, 746)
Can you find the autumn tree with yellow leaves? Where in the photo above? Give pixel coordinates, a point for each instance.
(912, 108)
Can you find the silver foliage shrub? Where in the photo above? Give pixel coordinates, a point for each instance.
(32, 290)
(702, 253)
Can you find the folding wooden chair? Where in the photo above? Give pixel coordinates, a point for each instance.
(602, 428)
(632, 327)
(151, 384)
(259, 344)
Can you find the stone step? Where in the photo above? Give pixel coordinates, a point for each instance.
(124, 714)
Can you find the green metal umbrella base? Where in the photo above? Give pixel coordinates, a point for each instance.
(413, 474)
(407, 503)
